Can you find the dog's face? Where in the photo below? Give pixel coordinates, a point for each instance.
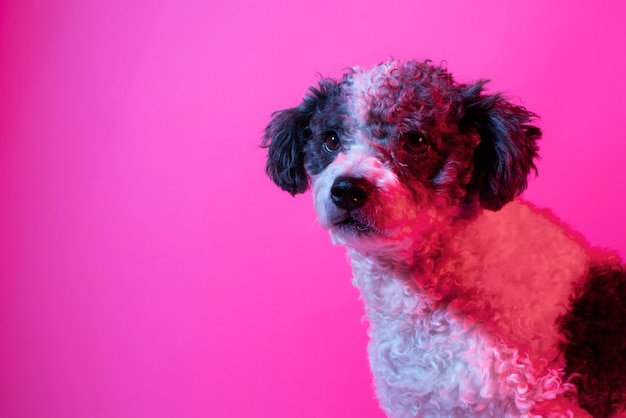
(400, 150)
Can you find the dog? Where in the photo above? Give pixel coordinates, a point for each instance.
(479, 304)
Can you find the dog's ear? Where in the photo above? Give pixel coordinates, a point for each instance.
(508, 145)
(285, 137)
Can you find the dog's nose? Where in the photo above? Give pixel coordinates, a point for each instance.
(350, 192)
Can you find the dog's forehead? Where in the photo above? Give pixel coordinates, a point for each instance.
(369, 89)
(393, 93)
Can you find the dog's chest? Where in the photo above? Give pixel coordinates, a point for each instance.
(420, 336)
(498, 272)
(421, 349)
(477, 318)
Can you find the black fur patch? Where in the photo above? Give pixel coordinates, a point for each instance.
(508, 146)
(595, 346)
(330, 116)
(287, 135)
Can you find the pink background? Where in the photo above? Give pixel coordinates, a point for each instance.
(148, 268)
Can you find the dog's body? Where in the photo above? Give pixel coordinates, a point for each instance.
(479, 304)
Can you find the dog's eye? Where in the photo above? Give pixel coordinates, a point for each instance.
(331, 141)
(415, 143)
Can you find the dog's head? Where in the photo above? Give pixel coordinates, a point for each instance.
(400, 150)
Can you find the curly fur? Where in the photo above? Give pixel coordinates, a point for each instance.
(480, 305)
(595, 340)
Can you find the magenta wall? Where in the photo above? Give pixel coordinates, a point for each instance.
(148, 268)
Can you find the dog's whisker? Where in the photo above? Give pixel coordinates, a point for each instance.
(315, 221)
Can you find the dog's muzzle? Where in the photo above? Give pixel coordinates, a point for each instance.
(350, 193)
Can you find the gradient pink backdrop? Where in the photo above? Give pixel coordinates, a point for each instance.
(149, 268)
